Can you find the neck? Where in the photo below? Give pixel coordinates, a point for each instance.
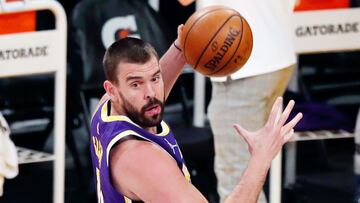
(115, 110)
(151, 130)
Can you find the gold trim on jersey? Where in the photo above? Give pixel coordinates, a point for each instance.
(118, 137)
(165, 128)
(107, 118)
(186, 172)
(131, 132)
(127, 200)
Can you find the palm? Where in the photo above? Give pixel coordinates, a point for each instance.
(268, 140)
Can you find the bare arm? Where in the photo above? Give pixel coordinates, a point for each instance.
(172, 63)
(142, 170)
(251, 183)
(263, 145)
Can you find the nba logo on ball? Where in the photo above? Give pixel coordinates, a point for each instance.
(217, 41)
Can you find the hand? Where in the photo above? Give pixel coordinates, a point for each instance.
(267, 142)
(185, 2)
(177, 42)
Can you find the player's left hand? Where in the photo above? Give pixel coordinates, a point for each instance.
(267, 142)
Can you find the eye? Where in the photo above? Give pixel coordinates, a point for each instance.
(156, 78)
(135, 85)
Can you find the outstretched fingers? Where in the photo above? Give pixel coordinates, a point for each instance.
(286, 113)
(288, 136)
(290, 125)
(274, 111)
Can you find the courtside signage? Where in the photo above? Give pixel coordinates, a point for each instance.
(31, 52)
(327, 30)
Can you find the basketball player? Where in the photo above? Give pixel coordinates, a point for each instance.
(253, 89)
(134, 153)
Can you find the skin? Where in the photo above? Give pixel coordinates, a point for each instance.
(185, 2)
(162, 181)
(137, 85)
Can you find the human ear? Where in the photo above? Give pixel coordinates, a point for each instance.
(111, 90)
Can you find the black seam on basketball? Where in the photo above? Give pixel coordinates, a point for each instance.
(205, 48)
(242, 35)
(193, 26)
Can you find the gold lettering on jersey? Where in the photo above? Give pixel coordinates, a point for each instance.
(98, 187)
(98, 149)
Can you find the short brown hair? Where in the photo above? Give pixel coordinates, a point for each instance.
(130, 50)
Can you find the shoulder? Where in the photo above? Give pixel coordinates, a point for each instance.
(143, 170)
(136, 165)
(134, 153)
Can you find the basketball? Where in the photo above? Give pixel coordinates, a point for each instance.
(216, 41)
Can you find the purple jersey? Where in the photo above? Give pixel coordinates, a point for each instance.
(106, 131)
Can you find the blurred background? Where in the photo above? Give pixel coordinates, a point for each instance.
(326, 87)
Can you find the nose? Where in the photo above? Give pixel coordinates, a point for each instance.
(149, 92)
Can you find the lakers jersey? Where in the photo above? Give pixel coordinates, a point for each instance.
(106, 131)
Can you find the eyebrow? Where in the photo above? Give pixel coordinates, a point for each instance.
(139, 77)
(156, 73)
(133, 78)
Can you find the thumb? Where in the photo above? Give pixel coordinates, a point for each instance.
(244, 133)
(180, 29)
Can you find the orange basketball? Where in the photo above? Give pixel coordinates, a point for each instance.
(217, 41)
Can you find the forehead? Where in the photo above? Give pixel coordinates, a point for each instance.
(128, 70)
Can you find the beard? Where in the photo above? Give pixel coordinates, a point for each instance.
(139, 117)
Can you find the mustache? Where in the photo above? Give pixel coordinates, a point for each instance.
(152, 102)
